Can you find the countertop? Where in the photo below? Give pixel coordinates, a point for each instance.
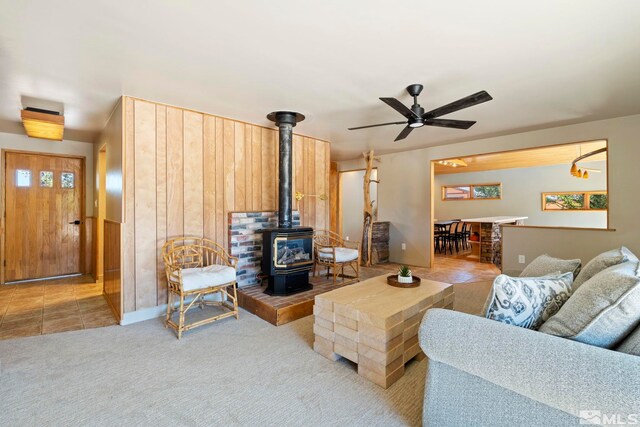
(496, 219)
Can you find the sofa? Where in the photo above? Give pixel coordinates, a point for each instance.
(483, 372)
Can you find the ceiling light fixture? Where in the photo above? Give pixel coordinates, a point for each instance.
(43, 124)
(578, 173)
(454, 163)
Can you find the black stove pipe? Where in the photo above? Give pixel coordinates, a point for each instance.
(285, 120)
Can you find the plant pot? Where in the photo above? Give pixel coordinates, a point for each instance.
(403, 279)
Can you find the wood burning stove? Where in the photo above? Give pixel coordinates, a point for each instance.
(287, 251)
(287, 258)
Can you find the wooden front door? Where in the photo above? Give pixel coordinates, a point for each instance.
(43, 212)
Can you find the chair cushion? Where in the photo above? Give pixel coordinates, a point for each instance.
(603, 311)
(342, 254)
(545, 265)
(212, 275)
(602, 262)
(527, 301)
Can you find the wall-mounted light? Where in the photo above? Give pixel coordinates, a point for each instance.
(299, 196)
(43, 124)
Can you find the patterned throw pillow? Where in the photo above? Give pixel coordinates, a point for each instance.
(546, 264)
(528, 301)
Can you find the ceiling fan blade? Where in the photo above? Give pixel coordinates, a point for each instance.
(448, 123)
(466, 102)
(381, 124)
(405, 133)
(399, 107)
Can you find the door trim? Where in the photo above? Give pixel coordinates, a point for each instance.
(3, 204)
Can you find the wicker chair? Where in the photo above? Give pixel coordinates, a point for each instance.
(197, 267)
(335, 253)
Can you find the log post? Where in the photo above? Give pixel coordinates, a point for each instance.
(367, 226)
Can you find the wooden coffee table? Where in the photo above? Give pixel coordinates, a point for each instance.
(376, 325)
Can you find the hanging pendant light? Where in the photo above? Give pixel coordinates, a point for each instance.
(585, 175)
(574, 170)
(579, 174)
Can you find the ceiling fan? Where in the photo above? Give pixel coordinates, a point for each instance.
(417, 117)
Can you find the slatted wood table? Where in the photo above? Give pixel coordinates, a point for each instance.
(376, 325)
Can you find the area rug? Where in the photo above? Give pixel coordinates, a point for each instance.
(234, 372)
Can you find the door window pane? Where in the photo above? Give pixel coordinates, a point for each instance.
(23, 178)
(67, 179)
(46, 179)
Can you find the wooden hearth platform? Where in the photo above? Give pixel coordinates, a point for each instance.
(281, 310)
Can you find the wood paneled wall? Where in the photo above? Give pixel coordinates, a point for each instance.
(185, 170)
(112, 262)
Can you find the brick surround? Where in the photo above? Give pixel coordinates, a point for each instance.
(245, 241)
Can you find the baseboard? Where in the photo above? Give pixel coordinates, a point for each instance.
(153, 312)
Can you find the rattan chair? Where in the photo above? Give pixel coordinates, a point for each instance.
(335, 253)
(197, 267)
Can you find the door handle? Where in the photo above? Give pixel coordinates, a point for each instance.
(76, 222)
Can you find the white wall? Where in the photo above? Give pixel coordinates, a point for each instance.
(405, 186)
(522, 190)
(11, 141)
(352, 198)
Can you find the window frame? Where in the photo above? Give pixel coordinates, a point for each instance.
(586, 195)
(471, 192)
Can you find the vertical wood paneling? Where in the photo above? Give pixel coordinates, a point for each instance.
(320, 188)
(128, 228)
(193, 174)
(256, 168)
(209, 184)
(248, 160)
(220, 216)
(175, 176)
(161, 199)
(145, 203)
(229, 173)
(185, 171)
(240, 168)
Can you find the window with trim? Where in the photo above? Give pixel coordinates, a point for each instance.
(492, 191)
(575, 201)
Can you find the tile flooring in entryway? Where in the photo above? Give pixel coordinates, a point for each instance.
(49, 306)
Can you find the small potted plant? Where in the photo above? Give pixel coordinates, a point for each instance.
(404, 275)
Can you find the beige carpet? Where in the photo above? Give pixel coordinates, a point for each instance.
(244, 372)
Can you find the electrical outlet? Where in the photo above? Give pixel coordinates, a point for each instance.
(521, 259)
(347, 238)
(404, 246)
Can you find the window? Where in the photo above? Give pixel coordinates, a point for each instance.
(46, 179)
(23, 178)
(472, 192)
(67, 179)
(575, 201)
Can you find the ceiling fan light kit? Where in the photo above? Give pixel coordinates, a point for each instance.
(416, 117)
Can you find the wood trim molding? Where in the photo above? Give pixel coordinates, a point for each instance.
(550, 227)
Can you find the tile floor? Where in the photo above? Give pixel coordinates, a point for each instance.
(50, 306)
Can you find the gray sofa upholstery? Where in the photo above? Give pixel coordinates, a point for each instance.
(482, 372)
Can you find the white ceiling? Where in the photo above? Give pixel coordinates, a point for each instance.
(545, 62)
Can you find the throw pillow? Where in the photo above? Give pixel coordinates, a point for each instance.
(602, 262)
(528, 301)
(545, 265)
(603, 311)
(631, 344)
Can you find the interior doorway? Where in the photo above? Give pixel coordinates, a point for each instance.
(102, 210)
(44, 210)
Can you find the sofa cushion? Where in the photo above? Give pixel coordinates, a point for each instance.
(200, 278)
(631, 344)
(603, 311)
(602, 262)
(342, 254)
(528, 301)
(545, 265)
